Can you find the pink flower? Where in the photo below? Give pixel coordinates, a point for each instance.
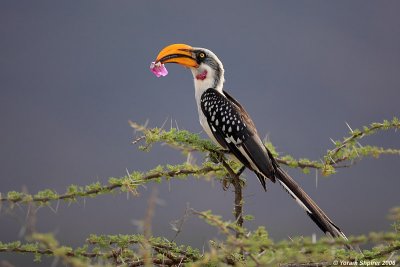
(158, 69)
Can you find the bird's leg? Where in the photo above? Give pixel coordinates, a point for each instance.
(218, 155)
(230, 178)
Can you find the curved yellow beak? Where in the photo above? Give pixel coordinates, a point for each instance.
(177, 53)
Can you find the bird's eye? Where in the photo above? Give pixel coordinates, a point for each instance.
(202, 55)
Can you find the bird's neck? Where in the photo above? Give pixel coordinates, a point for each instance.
(206, 77)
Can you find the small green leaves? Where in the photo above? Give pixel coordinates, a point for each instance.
(328, 170)
(248, 217)
(45, 196)
(350, 149)
(14, 196)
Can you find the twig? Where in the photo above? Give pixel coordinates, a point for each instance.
(137, 140)
(238, 194)
(162, 262)
(357, 134)
(178, 224)
(108, 188)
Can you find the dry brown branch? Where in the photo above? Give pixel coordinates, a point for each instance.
(237, 185)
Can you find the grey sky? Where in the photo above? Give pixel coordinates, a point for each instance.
(72, 73)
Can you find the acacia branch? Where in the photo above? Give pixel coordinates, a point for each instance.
(124, 241)
(51, 252)
(237, 184)
(350, 141)
(129, 183)
(91, 255)
(188, 142)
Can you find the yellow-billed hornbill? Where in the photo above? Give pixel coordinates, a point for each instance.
(228, 124)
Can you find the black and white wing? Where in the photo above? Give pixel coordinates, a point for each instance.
(232, 128)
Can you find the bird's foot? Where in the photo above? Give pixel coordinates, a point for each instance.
(217, 156)
(227, 181)
(224, 151)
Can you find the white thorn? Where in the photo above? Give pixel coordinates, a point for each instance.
(52, 209)
(314, 238)
(146, 123)
(166, 119)
(262, 253)
(189, 158)
(351, 130)
(355, 149)
(58, 204)
(55, 262)
(27, 212)
(391, 255)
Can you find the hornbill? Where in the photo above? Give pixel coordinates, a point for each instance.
(228, 124)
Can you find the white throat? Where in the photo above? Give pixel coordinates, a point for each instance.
(210, 81)
(201, 85)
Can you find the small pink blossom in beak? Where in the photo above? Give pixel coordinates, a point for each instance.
(158, 69)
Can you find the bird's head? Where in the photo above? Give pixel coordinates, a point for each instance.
(207, 69)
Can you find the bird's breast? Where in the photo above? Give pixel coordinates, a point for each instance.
(202, 118)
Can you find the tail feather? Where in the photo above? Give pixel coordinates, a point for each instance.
(311, 208)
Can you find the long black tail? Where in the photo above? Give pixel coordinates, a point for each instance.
(312, 209)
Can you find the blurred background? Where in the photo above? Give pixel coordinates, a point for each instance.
(72, 73)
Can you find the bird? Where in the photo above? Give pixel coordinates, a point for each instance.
(228, 125)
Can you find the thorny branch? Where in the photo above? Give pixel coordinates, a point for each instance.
(171, 260)
(101, 189)
(332, 157)
(237, 185)
(51, 252)
(188, 142)
(357, 134)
